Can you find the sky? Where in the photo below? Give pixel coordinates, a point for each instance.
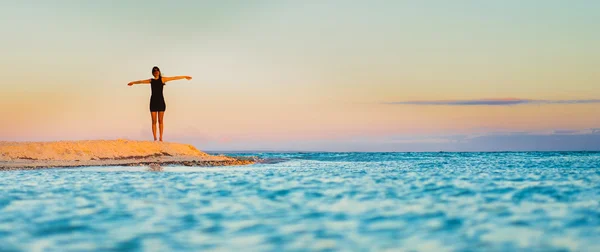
(333, 75)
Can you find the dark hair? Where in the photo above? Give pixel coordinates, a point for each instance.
(159, 72)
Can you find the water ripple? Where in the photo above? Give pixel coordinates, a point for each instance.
(312, 201)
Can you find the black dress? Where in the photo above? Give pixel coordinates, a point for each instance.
(157, 101)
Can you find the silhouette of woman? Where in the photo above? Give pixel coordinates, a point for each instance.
(157, 100)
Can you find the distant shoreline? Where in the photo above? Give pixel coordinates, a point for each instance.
(483, 151)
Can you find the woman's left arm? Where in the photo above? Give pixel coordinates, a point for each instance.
(165, 79)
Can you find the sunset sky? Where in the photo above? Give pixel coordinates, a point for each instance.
(332, 75)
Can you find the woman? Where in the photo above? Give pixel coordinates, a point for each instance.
(157, 101)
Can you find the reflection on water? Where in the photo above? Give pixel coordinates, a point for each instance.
(155, 168)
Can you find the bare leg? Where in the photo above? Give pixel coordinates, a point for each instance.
(161, 114)
(153, 114)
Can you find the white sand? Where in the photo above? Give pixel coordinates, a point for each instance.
(15, 155)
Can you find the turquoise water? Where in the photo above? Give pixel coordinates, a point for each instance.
(312, 202)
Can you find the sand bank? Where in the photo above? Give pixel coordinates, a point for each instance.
(35, 155)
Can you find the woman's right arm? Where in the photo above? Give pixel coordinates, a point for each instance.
(139, 82)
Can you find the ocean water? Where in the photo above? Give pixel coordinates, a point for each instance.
(511, 201)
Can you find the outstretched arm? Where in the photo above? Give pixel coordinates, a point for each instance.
(165, 79)
(139, 82)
